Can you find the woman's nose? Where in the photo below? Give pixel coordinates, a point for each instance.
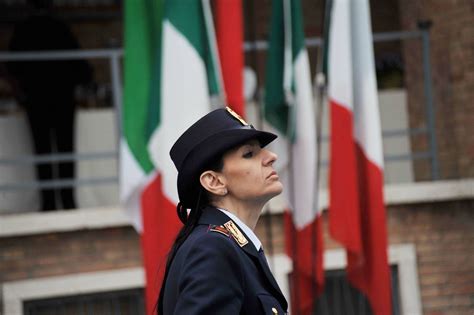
(269, 158)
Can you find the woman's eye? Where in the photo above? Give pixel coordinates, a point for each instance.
(248, 155)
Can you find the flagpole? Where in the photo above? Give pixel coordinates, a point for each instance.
(294, 242)
(319, 91)
(211, 34)
(288, 77)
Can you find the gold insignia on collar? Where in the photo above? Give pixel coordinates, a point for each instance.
(236, 116)
(236, 234)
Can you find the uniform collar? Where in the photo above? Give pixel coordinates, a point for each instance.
(214, 216)
(244, 227)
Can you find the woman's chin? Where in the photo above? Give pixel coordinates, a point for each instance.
(277, 189)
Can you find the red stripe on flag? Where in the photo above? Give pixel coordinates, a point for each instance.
(344, 222)
(370, 271)
(160, 227)
(229, 38)
(305, 247)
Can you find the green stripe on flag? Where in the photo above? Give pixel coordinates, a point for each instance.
(155, 21)
(297, 28)
(277, 109)
(142, 24)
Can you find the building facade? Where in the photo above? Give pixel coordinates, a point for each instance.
(90, 258)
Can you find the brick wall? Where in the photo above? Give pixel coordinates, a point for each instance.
(444, 240)
(452, 61)
(55, 254)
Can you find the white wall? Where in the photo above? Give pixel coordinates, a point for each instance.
(15, 141)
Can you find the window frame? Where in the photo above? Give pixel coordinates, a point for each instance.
(16, 292)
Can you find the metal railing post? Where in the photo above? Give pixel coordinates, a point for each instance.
(424, 27)
(116, 78)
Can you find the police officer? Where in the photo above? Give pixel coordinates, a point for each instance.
(225, 177)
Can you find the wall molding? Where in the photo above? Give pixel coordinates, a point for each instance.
(62, 221)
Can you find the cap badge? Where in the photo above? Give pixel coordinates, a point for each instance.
(236, 116)
(236, 234)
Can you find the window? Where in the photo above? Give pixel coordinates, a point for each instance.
(402, 258)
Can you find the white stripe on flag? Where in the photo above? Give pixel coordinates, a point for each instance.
(340, 71)
(304, 148)
(133, 180)
(366, 109)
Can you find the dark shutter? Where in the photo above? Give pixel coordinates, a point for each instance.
(340, 298)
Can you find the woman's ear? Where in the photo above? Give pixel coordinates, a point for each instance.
(213, 183)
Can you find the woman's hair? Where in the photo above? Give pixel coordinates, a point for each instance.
(190, 221)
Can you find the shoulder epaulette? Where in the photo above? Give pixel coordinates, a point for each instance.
(229, 229)
(236, 233)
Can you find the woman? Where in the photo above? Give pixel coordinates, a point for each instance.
(225, 177)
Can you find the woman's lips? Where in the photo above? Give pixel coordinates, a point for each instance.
(272, 174)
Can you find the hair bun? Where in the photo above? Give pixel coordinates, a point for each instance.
(182, 213)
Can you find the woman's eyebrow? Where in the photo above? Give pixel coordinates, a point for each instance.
(251, 145)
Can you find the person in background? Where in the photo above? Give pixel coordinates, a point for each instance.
(217, 264)
(46, 90)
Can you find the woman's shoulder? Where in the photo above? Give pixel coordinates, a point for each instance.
(211, 249)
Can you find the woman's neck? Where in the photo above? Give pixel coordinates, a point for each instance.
(246, 212)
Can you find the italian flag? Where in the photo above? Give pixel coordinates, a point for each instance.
(289, 109)
(356, 211)
(170, 79)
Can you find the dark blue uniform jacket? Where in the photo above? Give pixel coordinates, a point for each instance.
(213, 274)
